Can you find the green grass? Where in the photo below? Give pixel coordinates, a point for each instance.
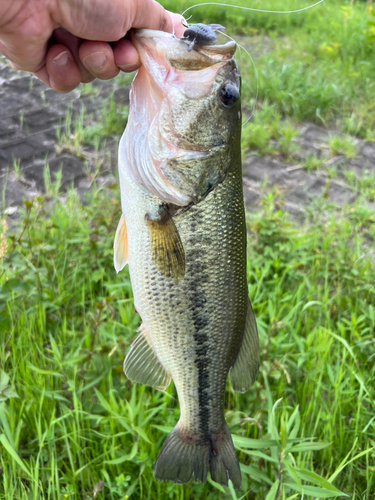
(312, 162)
(72, 426)
(266, 133)
(71, 423)
(342, 145)
(81, 129)
(364, 185)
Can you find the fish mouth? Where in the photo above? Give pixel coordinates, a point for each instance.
(176, 51)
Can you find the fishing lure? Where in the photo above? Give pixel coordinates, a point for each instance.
(201, 34)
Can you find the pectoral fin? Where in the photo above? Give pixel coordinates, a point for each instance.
(120, 245)
(142, 364)
(167, 249)
(245, 369)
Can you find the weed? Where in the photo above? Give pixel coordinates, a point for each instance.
(81, 129)
(111, 121)
(354, 124)
(16, 167)
(343, 145)
(6, 391)
(312, 162)
(259, 133)
(364, 186)
(52, 186)
(285, 139)
(267, 134)
(3, 241)
(89, 89)
(371, 24)
(256, 136)
(331, 172)
(71, 136)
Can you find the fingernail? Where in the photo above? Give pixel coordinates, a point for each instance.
(62, 59)
(95, 60)
(129, 68)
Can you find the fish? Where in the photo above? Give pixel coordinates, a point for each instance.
(183, 234)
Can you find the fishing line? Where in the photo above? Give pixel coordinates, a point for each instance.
(253, 9)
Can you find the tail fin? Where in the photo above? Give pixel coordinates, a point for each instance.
(224, 463)
(184, 455)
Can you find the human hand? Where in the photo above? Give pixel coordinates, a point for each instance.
(65, 42)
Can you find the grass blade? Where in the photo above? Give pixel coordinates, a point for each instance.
(271, 495)
(12, 452)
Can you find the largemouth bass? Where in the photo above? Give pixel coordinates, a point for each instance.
(183, 234)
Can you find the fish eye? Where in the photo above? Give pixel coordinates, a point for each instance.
(229, 95)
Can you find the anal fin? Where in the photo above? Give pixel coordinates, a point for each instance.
(142, 365)
(120, 245)
(167, 250)
(246, 366)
